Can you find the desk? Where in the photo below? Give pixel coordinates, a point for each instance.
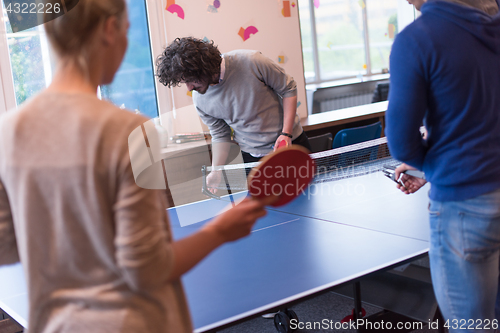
(344, 116)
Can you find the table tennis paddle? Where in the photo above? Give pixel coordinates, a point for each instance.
(390, 172)
(284, 173)
(282, 144)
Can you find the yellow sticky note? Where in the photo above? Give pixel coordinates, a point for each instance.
(362, 3)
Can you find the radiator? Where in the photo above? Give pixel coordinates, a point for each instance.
(340, 102)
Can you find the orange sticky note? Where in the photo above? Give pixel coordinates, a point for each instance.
(170, 3)
(286, 9)
(190, 93)
(242, 33)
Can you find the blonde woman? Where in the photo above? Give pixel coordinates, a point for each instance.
(96, 248)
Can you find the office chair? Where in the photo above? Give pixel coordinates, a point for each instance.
(321, 142)
(381, 92)
(350, 136)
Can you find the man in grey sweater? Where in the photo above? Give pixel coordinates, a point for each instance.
(240, 90)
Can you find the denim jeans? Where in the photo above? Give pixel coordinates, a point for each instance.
(465, 262)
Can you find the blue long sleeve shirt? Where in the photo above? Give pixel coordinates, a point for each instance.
(445, 72)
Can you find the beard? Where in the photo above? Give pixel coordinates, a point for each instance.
(202, 90)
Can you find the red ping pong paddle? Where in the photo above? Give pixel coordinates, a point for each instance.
(282, 144)
(284, 173)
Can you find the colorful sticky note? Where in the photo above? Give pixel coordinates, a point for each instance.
(298, 104)
(242, 33)
(362, 3)
(169, 3)
(206, 40)
(330, 44)
(364, 66)
(176, 9)
(286, 9)
(190, 93)
(293, 4)
(281, 59)
(245, 33)
(216, 3)
(212, 9)
(316, 3)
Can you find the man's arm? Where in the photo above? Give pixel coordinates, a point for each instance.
(284, 86)
(221, 144)
(289, 111)
(407, 101)
(219, 129)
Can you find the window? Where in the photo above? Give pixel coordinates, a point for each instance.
(133, 86)
(346, 38)
(27, 49)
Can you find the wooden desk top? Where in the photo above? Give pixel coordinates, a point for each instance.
(344, 116)
(182, 149)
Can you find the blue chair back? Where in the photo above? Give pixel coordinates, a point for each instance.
(350, 136)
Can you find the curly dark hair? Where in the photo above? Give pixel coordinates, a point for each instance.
(188, 59)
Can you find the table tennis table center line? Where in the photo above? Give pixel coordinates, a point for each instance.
(353, 226)
(272, 226)
(12, 296)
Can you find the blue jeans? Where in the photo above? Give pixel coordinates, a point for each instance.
(465, 261)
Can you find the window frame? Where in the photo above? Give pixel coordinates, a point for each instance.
(158, 42)
(402, 7)
(7, 92)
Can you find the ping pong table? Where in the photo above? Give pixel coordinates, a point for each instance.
(335, 232)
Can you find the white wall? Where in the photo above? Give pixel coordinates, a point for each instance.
(406, 14)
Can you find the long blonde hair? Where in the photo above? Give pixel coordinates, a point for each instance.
(70, 35)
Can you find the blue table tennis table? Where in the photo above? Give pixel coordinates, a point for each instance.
(296, 251)
(303, 248)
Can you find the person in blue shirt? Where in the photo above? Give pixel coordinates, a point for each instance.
(445, 74)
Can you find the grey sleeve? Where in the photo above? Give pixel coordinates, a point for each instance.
(8, 244)
(274, 76)
(219, 129)
(143, 248)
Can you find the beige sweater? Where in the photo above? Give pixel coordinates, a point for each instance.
(94, 246)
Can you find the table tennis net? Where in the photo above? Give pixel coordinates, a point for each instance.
(331, 165)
